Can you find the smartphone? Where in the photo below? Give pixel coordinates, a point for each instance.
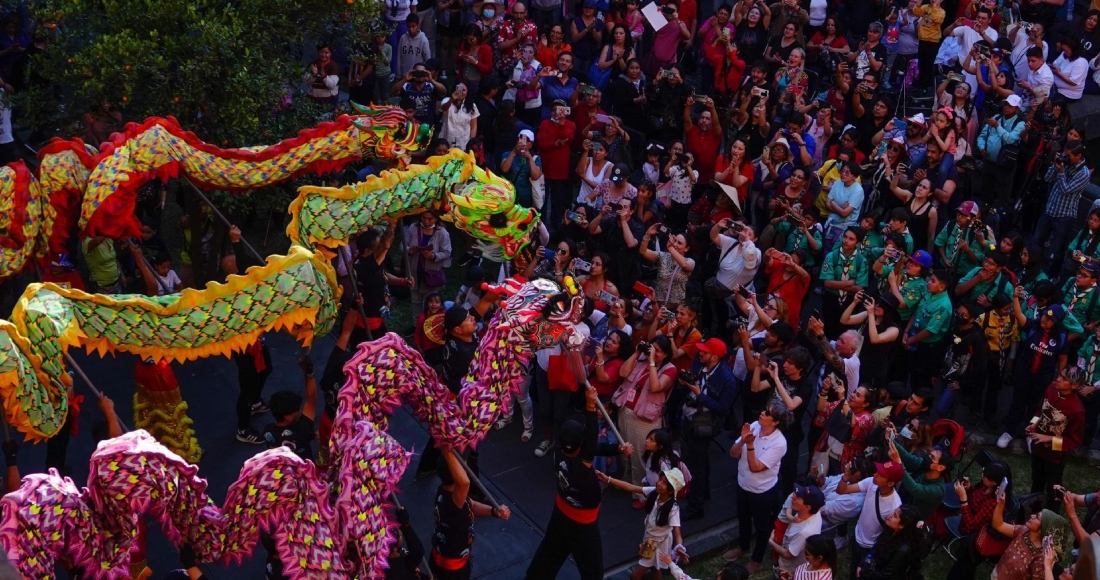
(588, 90)
(967, 22)
(568, 110)
(582, 265)
(725, 33)
(606, 296)
(574, 216)
(900, 124)
(1001, 487)
(548, 253)
(743, 292)
(1059, 495)
(1047, 541)
(797, 89)
(602, 118)
(642, 289)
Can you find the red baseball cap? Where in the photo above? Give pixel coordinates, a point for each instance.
(891, 471)
(714, 346)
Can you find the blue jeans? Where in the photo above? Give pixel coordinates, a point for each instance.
(1057, 230)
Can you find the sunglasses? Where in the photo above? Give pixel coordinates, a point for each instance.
(894, 148)
(563, 251)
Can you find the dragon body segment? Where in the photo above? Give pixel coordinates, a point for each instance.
(96, 190)
(316, 527)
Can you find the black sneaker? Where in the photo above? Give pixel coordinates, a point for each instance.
(249, 436)
(259, 408)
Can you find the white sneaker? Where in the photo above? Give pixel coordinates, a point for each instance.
(502, 422)
(1004, 440)
(528, 433)
(543, 448)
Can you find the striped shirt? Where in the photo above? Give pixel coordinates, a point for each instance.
(1065, 189)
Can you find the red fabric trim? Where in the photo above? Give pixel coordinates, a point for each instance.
(22, 194)
(581, 516)
(449, 564)
(114, 217)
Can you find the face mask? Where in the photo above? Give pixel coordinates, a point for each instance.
(905, 432)
(488, 13)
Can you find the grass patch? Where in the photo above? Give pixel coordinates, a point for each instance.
(1080, 477)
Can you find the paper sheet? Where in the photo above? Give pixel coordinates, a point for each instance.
(652, 13)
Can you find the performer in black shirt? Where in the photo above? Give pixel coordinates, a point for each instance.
(454, 521)
(573, 529)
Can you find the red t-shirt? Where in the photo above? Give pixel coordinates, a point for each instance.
(792, 292)
(611, 367)
(746, 171)
(581, 118)
(555, 159)
(705, 148)
(70, 279)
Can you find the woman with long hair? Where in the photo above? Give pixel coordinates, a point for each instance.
(681, 326)
(459, 118)
(596, 285)
(648, 379)
(593, 168)
(794, 191)
(752, 20)
(735, 168)
(883, 330)
(820, 560)
(324, 77)
(474, 59)
(618, 51)
(674, 266)
(1030, 270)
(609, 359)
(827, 42)
(1086, 244)
(923, 215)
(977, 504)
(613, 139)
(891, 163)
(899, 550)
(1070, 70)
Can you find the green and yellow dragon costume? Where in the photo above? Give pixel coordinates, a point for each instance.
(297, 291)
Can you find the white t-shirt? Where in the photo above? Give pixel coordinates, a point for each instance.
(170, 281)
(732, 270)
(818, 11)
(868, 529)
(967, 37)
(456, 124)
(1041, 80)
(651, 527)
(1019, 54)
(769, 451)
(1077, 71)
(794, 540)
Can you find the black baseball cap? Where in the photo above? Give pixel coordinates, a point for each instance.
(570, 436)
(620, 172)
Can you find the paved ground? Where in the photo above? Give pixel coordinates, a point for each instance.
(509, 468)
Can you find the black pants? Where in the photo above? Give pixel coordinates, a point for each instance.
(57, 447)
(831, 309)
(967, 560)
(1027, 395)
(993, 381)
(925, 363)
(858, 553)
(1092, 412)
(565, 537)
(756, 519)
(788, 468)
(559, 192)
(926, 56)
(1044, 476)
(694, 453)
(252, 386)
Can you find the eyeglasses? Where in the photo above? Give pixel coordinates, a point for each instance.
(797, 176)
(563, 251)
(770, 306)
(845, 171)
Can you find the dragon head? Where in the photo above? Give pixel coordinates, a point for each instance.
(386, 132)
(484, 205)
(541, 313)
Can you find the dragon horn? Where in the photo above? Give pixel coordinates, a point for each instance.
(361, 109)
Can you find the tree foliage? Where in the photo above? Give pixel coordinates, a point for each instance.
(229, 71)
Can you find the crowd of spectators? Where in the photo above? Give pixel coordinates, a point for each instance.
(773, 257)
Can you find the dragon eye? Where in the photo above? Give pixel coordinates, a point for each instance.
(498, 220)
(402, 132)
